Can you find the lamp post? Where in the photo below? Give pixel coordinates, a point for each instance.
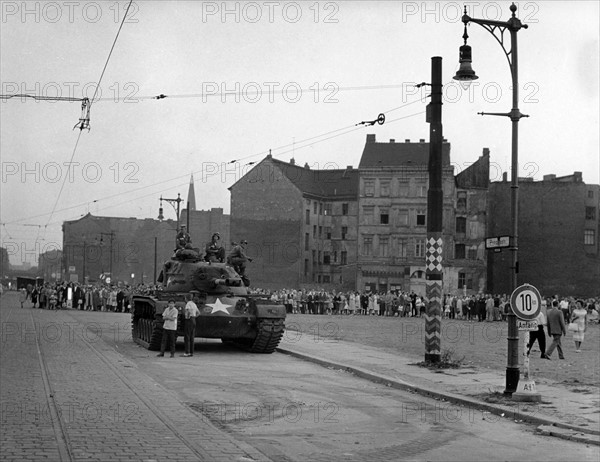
(466, 74)
(177, 201)
(112, 235)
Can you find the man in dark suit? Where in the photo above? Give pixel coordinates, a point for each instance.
(556, 329)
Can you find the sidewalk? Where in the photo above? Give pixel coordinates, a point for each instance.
(567, 414)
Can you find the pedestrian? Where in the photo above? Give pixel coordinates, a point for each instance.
(191, 312)
(22, 296)
(579, 318)
(538, 335)
(556, 329)
(169, 328)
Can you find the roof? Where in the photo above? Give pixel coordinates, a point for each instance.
(392, 154)
(323, 183)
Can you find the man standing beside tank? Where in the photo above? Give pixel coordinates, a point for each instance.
(191, 312)
(169, 329)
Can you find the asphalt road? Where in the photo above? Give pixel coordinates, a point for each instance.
(291, 410)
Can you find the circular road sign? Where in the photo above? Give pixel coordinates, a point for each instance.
(526, 302)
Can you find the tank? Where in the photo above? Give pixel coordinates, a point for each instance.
(227, 311)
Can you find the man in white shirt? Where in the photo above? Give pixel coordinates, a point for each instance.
(191, 311)
(539, 334)
(169, 329)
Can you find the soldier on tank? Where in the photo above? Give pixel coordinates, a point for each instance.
(215, 252)
(238, 258)
(184, 241)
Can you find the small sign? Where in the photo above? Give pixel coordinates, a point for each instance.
(71, 269)
(497, 242)
(526, 302)
(527, 325)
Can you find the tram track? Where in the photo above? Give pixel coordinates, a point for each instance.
(153, 404)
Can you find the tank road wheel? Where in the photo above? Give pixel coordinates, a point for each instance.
(269, 335)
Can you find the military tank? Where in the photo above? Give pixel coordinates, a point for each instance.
(227, 311)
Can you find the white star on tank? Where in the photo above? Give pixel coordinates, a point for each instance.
(218, 306)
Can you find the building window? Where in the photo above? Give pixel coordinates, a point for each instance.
(419, 248)
(589, 237)
(420, 219)
(315, 207)
(326, 258)
(327, 208)
(403, 189)
(472, 253)
(402, 219)
(327, 232)
(461, 225)
(343, 257)
(369, 188)
(368, 213)
(307, 217)
(314, 258)
(320, 208)
(344, 209)
(335, 256)
(459, 251)
(320, 232)
(421, 191)
(590, 213)
(461, 199)
(314, 231)
(402, 248)
(591, 194)
(319, 257)
(344, 232)
(384, 217)
(384, 188)
(384, 247)
(462, 280)
(368, 245)
(306, 241)
(306, 267)
(326, 279)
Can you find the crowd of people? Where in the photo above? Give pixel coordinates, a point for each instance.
(481, 307)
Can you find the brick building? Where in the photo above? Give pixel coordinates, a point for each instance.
(301, 224)
(358, 228)
(558, 235)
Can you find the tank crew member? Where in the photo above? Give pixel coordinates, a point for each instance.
(169, 329)
(238, 258)
(184, 241)
(215, 252)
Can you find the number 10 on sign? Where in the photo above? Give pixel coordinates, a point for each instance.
(526, 302)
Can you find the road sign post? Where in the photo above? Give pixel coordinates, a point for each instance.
(526, 304)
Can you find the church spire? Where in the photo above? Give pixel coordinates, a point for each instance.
(191, 199)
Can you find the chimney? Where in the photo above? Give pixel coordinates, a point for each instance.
(371, 138)
(407, 140)
(578, 177)
(422, 140)
(486, 152)
(504, 177)
(293, 161)
(348, 167)
(550, 177)
(392, 140)
(306, 165)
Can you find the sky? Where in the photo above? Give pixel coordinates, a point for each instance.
(245, 78)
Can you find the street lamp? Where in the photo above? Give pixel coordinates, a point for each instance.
(112, 235)
(466, 74)
(177, 201)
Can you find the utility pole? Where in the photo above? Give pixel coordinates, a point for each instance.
(435, 209)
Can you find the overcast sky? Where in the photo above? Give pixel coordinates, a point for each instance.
(245, 77)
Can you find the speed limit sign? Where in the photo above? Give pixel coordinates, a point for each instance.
(526, 302)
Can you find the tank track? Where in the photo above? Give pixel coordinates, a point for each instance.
(269, 335)
(146, 333)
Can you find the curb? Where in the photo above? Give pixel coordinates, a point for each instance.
(548, 425)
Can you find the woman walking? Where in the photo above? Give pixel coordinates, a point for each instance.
(578, 317)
